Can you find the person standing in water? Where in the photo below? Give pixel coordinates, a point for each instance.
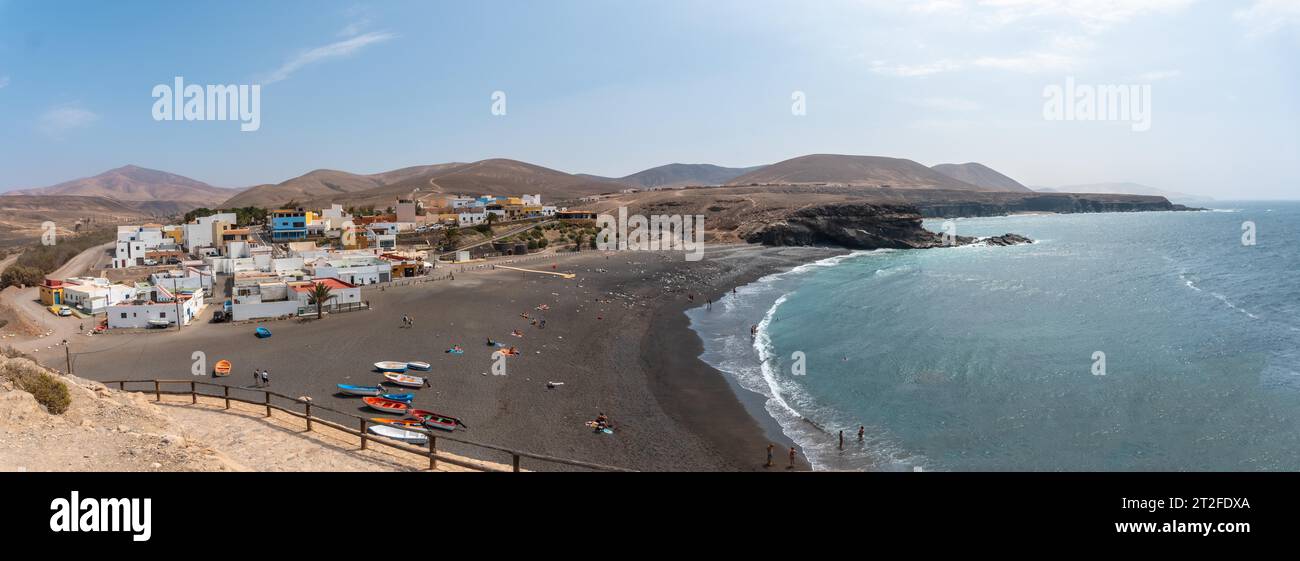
(792, 456)
(769, 455)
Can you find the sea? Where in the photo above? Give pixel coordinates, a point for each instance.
(1157, 341)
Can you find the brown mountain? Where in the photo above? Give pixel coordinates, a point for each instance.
(853, 171)
(21, 216)
(678, 175)
(982, 176)
(134, 183)
(498, 176)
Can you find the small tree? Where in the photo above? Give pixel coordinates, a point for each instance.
(320, 294)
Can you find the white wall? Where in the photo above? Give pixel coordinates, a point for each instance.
(243, 312)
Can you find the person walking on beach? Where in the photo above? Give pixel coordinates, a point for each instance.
(708, 304)
(862, 432)
(257, 377)
(753, 330)
(792, 455)
(769, 455)
(266, 377)
(406, 320)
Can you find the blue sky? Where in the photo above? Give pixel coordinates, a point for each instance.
(613, 87)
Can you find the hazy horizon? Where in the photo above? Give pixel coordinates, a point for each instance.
(612, 89)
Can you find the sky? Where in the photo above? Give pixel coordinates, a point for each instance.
(613, 87)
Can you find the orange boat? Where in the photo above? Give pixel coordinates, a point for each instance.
(386, 405)
(222, 368)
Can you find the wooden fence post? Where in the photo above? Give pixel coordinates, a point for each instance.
(363, 433)
(515, 462)
(157, 393)
(227, 392)
(308, 415)
(433, 451)
(121, 386)
(268, 403)
(194, 395)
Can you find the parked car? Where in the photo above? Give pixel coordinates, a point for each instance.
(58, 310)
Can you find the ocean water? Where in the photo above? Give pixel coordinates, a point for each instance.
(985, 358)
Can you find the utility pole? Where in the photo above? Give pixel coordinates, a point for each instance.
(67, 353)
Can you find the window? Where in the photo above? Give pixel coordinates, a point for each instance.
(123, 315)
(162, 314)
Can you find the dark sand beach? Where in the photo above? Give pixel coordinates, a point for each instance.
(616, 337)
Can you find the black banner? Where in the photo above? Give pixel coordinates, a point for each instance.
(171, 509)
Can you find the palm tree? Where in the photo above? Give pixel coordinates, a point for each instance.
(320, 294)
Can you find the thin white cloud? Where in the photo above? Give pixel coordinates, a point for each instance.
(1092, 15)
(913, 70)
(1029, 62)
(1265, 17)
(1157, 75)
(4, 82)
(333, 50)
(56, 121)
(946, 104)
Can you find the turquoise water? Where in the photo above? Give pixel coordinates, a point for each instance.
(982, 358)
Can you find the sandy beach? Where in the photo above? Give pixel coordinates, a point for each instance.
(615, 336)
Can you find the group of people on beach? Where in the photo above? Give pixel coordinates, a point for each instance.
(261, 377)
(408, 321)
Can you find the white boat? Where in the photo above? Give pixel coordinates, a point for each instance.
(399, 434)
(405, 380)
(390, 366)
(159, 323)
(421, 366)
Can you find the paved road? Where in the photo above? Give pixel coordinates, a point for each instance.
(26, 301)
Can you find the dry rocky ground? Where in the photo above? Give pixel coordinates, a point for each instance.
(110, 430)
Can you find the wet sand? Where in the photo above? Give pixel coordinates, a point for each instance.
(615, 336)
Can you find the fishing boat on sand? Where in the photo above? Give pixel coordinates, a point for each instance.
(350, 389)
(386, 405)
(390, 366)
(262, 332)
(404, 424)
(158, 323)
(421, 366)
(435, 420)
(222, 368)
(406, 398)
(399, 434)
(405, 379)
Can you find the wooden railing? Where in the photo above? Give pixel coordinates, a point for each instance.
(363, 423)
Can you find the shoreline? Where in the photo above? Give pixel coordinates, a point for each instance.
(617, 336)
(700, 393)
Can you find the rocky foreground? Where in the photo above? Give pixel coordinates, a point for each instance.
(108, 430)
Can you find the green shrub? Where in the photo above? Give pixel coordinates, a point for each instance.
(48, 390)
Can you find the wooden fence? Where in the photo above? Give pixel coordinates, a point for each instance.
(362, 423)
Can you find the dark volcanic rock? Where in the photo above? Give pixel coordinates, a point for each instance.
(1007, 239)
(859, 226)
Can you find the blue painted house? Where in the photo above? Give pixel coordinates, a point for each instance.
(288, 225)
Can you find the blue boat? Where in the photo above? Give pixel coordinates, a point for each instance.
(406, 398)
(263, 332)
(360, 390)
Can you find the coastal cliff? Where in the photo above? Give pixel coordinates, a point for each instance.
(1060, 203)
(860, 226)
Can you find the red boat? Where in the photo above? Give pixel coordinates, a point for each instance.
(386, 405)
(435, 420)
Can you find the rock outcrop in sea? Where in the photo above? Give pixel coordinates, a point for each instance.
(861, 226)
